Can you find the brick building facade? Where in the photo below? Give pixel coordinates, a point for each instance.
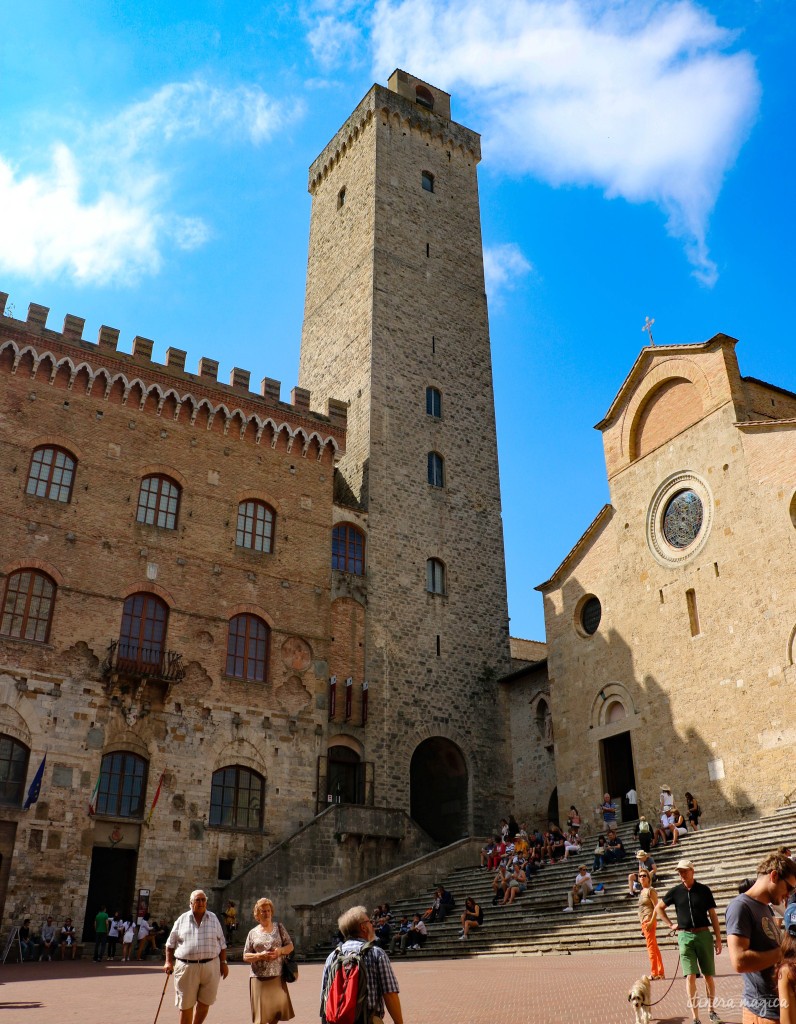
(245, 608)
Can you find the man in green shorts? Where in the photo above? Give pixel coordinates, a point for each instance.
(696, 917)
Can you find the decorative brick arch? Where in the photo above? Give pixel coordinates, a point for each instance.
(342, 739)
(605, 697)
(57, 441)
(148, 587)
(258, 494)
(35, 563)
(250, 609)
(127, 741)
(13, 724)
(161, 469)
(240, 752)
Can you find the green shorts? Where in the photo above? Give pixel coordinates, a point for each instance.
(696, 953)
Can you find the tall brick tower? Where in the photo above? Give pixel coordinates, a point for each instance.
(396, 323)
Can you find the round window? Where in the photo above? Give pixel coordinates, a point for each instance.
(682, 519)
(590, 615)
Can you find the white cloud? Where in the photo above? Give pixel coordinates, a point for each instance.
(641, 99)
(98, 211)
(503, 266)
(333, 40)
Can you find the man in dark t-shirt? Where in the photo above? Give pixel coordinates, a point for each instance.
(696, 917)
(753, 936)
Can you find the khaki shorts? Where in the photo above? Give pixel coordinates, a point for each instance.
(196, 983)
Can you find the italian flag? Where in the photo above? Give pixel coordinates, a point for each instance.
(92, 804)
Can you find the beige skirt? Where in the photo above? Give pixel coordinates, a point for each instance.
(270, 1000)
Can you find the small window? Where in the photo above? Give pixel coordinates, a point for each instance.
(247, 648)
(348, 549)
(427, 181)
(436, 474)
(255, 526)
(341, 198)
(51, 474)
(424, 97)
(236, 798)
(13, 769)
(590, 615)
(28, 606)
(433, 403)
(158, 502)
(122, 785)
(225, 866)
(143, 632)
(435, 576)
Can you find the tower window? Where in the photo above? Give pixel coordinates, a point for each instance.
(435, 576)
(158, 502)
(427, 181)
(247, 648)
(424, 97)
(436, 469)
(236, 798)
(341, 198)
(28, 606)
(255, 528)
(433, 403)
(122, 785)
(348, 549)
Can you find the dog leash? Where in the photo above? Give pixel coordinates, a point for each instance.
(668, 990)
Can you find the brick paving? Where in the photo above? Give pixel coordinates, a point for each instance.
(585, 988)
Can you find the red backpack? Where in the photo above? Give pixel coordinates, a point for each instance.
(345, 994)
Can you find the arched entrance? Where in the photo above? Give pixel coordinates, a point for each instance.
(439, 800)
(345, 777)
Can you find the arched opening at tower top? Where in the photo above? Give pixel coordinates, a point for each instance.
(439, 799)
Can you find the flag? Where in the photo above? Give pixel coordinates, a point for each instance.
(92, 804)
(156, 798)
(35, 786)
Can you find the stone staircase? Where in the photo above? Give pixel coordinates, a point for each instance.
(535, 923)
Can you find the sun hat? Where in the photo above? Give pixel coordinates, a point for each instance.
(685, 865)
(665, 789)
(642, 855)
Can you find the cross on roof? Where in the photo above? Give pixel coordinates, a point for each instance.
(648, 328)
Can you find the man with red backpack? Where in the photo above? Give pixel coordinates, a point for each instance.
(358, 979)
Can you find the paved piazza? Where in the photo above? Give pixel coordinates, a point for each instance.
(586, 988)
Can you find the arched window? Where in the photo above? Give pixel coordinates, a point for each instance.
(436, 474)
(427, 181)
(341, 198)
(28, 605)
(435, 576)
(122, 785)
(424, 97)
(236, 798)
(348, 549)
(433, 403)
(158, 502)
(255, 526)
(247, 648)
(13, 769)
(51, 474)
(143, 632)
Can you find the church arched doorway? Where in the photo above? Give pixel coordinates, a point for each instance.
(439, 800)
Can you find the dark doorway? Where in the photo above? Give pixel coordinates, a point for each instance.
(8, 832)
(618, 771)
(345, 777)
(111, 884)
(438, 790)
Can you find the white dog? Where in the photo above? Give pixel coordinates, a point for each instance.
(639, 996)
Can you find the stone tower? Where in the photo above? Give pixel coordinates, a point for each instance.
(396, 324)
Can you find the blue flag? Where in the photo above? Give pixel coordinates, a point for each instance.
(35, 786)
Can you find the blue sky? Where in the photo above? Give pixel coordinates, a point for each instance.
(637, 160)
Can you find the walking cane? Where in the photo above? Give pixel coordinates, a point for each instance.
(165, 983)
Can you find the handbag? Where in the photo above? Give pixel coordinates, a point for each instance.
(289, 968)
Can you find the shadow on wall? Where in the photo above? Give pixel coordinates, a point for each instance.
(615, 731)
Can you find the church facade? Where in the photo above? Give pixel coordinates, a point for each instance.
(671, 623)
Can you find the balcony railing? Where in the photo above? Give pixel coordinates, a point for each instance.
(143, 664)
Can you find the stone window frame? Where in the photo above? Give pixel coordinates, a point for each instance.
(664, 553)
(32, 606)
(226, 811)
(577, 617)
(116, 796)
(427, 181)
(54, 488)
(163, 514)
(433, 402)
(253, 666)
(14, 761)
(436, 470)
(351, 559)
(436, 577)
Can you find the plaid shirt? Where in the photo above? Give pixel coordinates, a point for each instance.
(192, 941)
(378, 970)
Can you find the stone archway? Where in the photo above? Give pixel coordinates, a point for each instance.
(439, 797)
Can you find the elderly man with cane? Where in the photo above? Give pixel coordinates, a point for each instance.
(198, 946)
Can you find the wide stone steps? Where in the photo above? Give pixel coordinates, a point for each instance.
(535, 923)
